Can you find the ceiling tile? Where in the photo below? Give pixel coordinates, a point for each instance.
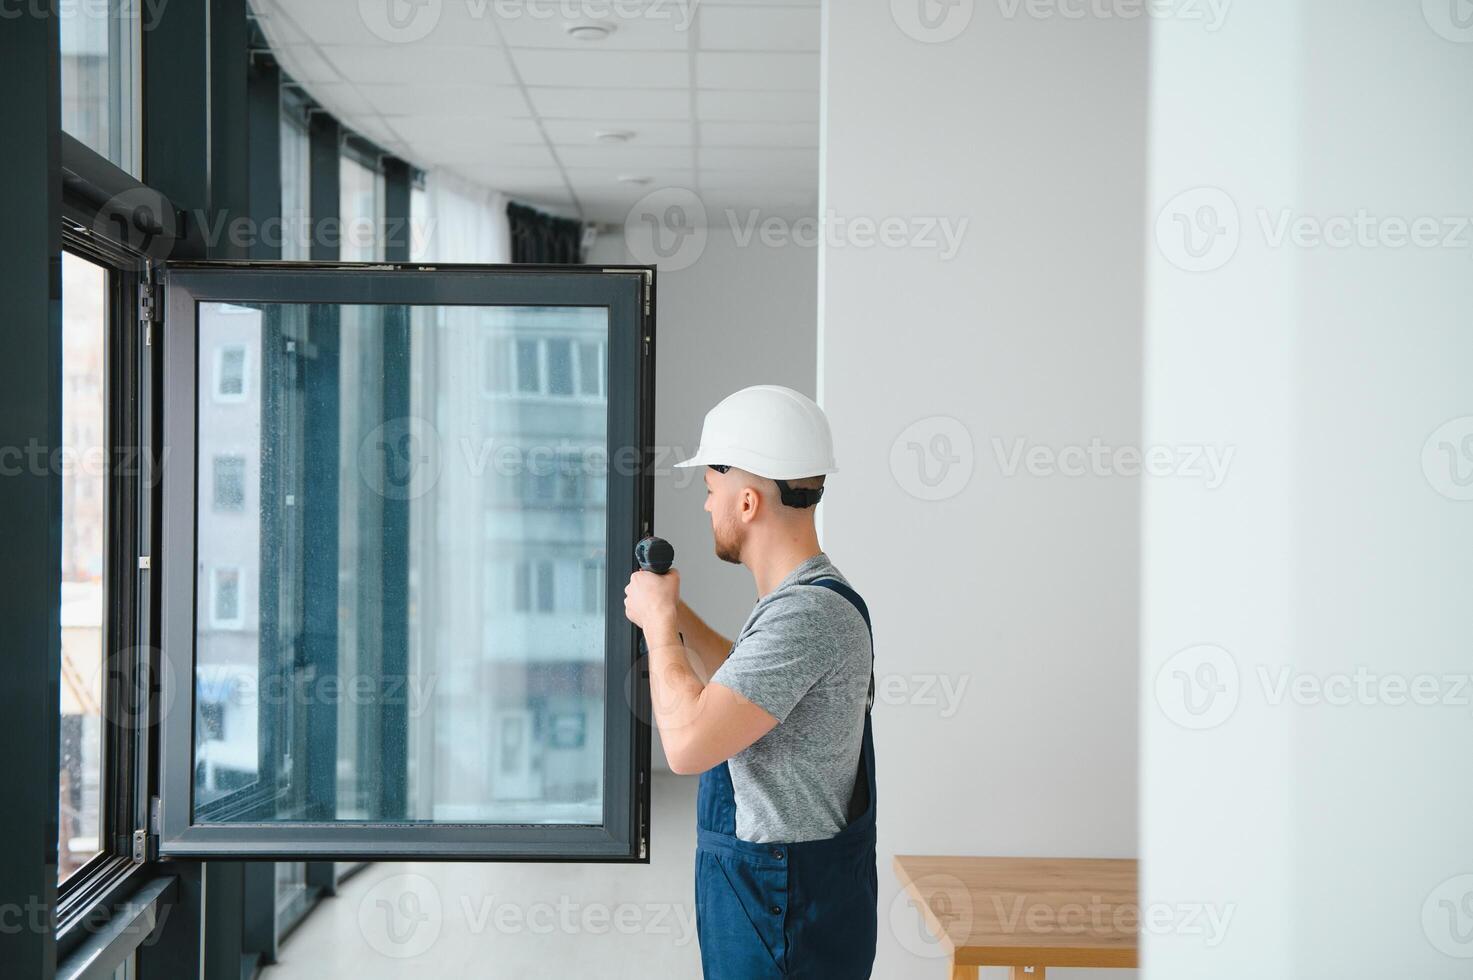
(610, 103)
(499, 101)
(759, 28)
(759, 134)
(304, 64)
(746, 158)
(750, 179)
(633, 69)
(767, 72)
(651, 27)
(626, 157)
(416, 63)
(414, 24)
(342, 99)
(756, 106)
(577, 132)
(451, 139)
(503, 178)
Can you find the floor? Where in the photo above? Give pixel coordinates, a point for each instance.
(452, 921)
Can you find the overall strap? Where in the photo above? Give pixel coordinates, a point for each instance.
(843, 589)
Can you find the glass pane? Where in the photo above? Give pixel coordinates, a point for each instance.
(99, 72)
(559, 367)
(590, 371)
(83, 558)
(384, 632)
(296, 184)
(361, 204)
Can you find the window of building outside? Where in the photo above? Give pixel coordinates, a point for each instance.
(83, 464)
(100, 103)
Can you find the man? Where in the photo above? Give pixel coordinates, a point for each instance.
(785, 856)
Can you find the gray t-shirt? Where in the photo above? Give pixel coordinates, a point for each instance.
(804, 658)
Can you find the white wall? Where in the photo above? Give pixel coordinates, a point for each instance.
(742, 313)
(1332, 824)
(1023, 587)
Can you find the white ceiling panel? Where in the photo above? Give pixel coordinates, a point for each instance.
(759, 28)
(755, 179)
(582, 132)
(656, 27)
(764, 72)
(408, 63)
(609, 103)
(343, 99)
(720, 96)
(307, 65)
(758, 158)
(429, 100)
(423, 24)
(759, 134)
(629, 157)
(633, 69)
(756, 107)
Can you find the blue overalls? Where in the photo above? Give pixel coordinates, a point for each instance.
(788, 910)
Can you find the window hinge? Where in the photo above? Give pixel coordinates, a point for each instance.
(148, 306)
(146, 838)
(145, 562)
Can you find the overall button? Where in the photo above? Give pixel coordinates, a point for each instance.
(776, 910)
(777, 854)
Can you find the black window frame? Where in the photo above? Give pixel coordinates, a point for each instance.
(626, 292)
(129, 660)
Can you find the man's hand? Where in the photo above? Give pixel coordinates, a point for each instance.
(652, 602)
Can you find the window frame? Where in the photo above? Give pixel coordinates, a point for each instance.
(627, 293)
(129, 665)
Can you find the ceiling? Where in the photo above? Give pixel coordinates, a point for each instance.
(721, 96)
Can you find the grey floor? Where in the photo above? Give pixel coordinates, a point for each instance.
(451, 921)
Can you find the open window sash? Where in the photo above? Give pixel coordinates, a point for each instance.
(399, 505)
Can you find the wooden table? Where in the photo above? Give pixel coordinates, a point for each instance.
(1027, 913)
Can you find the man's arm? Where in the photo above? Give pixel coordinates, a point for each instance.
(708, 644)
(701, 725)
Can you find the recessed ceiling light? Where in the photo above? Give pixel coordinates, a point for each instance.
(633, 179)
(588, 30)
(613, 135)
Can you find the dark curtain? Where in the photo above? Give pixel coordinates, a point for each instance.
(543, 238)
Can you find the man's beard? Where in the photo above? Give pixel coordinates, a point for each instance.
(728, 542)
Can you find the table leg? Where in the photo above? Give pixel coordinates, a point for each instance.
(960, 972)
(1027, 973)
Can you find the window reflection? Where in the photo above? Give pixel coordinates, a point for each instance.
(83, 557)
(404, 564)
(99, 77)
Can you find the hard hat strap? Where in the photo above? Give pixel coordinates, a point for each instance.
(791, 496)
(794, 497)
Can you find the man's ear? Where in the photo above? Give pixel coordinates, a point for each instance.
(751, 504)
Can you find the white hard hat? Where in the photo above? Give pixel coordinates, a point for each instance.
(768, 430)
